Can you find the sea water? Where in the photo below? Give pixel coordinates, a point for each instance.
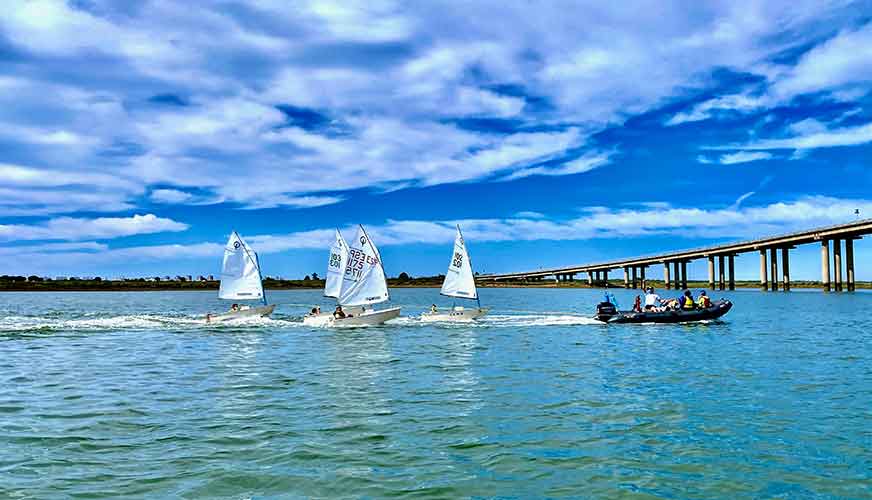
(133, 395)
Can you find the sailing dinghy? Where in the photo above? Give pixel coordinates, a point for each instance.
(459, 283)
(333, 284)
(240, 280)
(362, 285)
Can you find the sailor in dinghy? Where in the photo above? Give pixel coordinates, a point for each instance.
(240, 280)
(459, 283)
(363, 285)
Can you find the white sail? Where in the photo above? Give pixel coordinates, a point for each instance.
(364, 279)
(240, 273)
(336, 267)
(459, 281)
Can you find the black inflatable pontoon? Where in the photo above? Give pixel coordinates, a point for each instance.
(606, 312)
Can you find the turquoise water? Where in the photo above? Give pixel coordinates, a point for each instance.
(130, 395)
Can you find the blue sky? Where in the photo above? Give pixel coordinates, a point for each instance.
(134, 136)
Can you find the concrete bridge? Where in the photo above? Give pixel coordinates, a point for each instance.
(721, 261)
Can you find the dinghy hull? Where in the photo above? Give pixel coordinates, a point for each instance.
(455, 315)
(262, 311)
(367, 318)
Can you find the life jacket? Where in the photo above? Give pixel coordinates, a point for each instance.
(704, 301)
(686, 302)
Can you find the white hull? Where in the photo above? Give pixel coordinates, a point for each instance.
(458, 314)
(366, 318)
(262, 311)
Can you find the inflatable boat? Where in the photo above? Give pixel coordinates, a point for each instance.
(608, 313)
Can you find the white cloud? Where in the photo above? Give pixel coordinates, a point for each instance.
(742, 198)
(844, 136)
(69, 228)
(27, 190)
(579, 165)
(390, 78)
(23, 176)
(46, 136)
(31, 202)
(172, 196)
(838, 67)
(808, 126)
(739, 103)
(840, 64)
(743, 157)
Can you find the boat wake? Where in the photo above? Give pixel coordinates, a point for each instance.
(505, 321)
(42, 324)
(526, 320)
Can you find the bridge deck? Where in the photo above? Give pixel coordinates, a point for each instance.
(853, 230)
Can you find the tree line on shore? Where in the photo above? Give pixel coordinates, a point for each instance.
(33, 282)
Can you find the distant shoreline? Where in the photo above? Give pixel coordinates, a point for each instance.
(271, 284)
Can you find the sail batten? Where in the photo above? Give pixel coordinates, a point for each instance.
(363, 281)
(336, 267)
(240, 272)
(459, 280)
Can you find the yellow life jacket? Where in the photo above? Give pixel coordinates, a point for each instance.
(704, 301)
(687, 303)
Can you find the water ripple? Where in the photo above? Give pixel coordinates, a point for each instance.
(132, 395)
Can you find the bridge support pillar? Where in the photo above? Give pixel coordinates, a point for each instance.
(684, 275)
(626, 277)
(773, 265)
(825, 265)
(666, 283)
(785, 268)
(732, 272)
(677, 275)
(590, 278)
(764, 282)
(837, 265)
(642, 276)
(635, 279)
(570, 277)
(849, 263)
(606, 278)
(711, 271)
(721, 272)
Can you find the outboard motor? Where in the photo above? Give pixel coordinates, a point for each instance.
(605, 311)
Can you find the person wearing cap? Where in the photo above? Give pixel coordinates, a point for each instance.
(652, 300)
(704, 302)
